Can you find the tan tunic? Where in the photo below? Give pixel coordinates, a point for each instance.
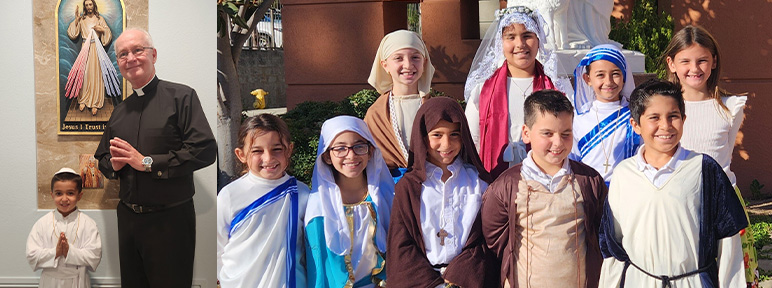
(551, 226)
(503, 204)
(92, 94)
(378, 119)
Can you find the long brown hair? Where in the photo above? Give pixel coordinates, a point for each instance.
(684, 39)
(260, 124)
(96, 9)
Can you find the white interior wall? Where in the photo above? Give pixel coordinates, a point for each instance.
(184, 35)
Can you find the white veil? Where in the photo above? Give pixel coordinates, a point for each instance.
(490, 56)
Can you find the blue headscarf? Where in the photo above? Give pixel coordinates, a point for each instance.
(584, 95)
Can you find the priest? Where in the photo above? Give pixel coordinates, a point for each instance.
(153, 142)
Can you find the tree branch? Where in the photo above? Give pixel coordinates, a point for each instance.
(239, 39)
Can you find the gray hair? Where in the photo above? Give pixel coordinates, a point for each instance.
(148, 38)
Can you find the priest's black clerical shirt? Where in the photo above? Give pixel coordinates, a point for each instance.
(168, 124)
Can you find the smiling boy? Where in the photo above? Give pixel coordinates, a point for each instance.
(675, 219)
(65, 242)
(544, 213)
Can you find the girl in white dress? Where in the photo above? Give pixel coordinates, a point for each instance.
(260, 216)
(715, 115)
(512, 62)
(603, 135)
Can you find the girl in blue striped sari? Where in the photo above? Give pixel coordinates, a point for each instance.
(602, 133)
(260, 216)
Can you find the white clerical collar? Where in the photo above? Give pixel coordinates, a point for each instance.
(139, 90)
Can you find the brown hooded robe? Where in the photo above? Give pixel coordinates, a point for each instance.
(406, 253)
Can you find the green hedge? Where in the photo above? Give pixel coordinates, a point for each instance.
(305, 124)
(647, 31)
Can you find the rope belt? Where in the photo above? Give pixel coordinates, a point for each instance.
(664, 278)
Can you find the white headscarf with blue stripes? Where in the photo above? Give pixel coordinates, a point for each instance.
(584, 95)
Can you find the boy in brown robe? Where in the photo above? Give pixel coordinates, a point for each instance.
(541, 217)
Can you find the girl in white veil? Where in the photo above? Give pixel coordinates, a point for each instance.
(511, 63)
(349, 208)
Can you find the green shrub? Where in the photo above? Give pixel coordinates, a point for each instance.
(305, 122)
(761, 235)
(357, 104)
(414, 17)
(647, 31)
(764, 275)
(756, 187)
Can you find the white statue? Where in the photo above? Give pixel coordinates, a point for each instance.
(574, 24)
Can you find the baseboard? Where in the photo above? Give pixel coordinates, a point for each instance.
(96, 282)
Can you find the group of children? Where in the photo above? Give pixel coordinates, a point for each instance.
(515, 191)
(524, 188)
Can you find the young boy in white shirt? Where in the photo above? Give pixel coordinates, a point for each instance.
(541, 217)
(672, 217)
(65, 242)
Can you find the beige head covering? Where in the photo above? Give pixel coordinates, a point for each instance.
(380, 79)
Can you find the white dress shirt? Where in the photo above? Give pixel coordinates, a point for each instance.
(451, 206)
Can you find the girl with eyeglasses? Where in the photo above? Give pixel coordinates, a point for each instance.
(348, 210)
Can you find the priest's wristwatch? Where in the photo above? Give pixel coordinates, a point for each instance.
(147, 162)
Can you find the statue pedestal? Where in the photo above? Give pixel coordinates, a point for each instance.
(568, 60)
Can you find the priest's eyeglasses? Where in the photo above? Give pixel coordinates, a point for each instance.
(342, 151)
(137, 51)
